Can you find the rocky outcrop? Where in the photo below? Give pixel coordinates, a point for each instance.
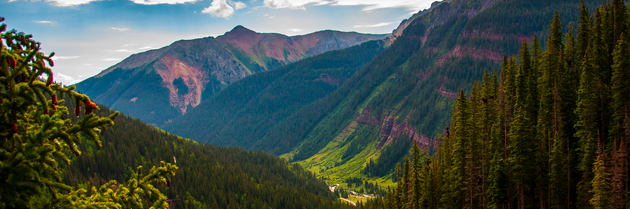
(477, 54)
(391, 129)
(194, 78)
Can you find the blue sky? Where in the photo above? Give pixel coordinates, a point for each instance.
(88, 36)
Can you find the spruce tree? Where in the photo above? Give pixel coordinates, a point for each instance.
(584, 30)
(520, 152)
(620, 91)
(587, 124)
(620, 18)
(398, 192)
(457, 173)
(601, 185)
(620, 131)
(619, 173)
(36, 135)
(498, 178)
(416, 178)
(406, 183)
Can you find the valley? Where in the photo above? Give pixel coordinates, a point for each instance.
(465, 104)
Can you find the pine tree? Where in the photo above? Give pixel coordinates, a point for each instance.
(601, 185)
(36, 137)
(498, 178)
(620, 90)
(620, 167)
(587, 127)
(399, 192)
(549, 127)
(416, 178)
(457, 172)
(406, 183)
(584, 30)
(620, 131)
(620, 18)
(519, 154)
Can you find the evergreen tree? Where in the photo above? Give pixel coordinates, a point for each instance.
(587, 127)
(519, 154)
(620, 18)
(416, 181)
(398, 191)
(601, 185)
(620, 90)
(457, 172)
(584, 30)
(37, 137)
(406, 183)
(620, 166)
(620, 131)
(498, 178)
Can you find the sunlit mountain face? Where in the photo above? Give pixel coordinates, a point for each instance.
(159, 85)
(90, 36)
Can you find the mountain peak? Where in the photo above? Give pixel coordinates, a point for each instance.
(239, 29)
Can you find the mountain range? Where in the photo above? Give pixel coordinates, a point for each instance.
(159, 85)
(352, 112)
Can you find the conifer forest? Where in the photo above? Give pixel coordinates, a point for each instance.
(550, 131)
(547, 127)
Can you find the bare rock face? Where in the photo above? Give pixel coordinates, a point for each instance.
(145, 81)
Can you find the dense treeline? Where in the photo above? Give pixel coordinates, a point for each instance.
(390, 155)
(551, 131)
(208, 176)
(410, 81)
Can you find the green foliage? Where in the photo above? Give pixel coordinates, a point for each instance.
(254, 108)
(211, 176)
(601, 185)
(553, 155)
(390, 154)
(37, 138)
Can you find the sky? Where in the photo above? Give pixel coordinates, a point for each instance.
(88, 36)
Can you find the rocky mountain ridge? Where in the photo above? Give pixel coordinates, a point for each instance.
(186, 72)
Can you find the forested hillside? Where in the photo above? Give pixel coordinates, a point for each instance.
(550, 131)
(369, 122)
(208, 176)
(244, 113)
(404, 94)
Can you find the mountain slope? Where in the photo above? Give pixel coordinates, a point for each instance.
(403, 95)
(406, 92)
(208, 176)
(241, 114)
(159, 85)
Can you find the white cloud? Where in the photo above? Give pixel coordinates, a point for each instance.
(69, 3)
(295, 30)
(374, 25)
(119, 29)
(219, 8)
(239, 5)
(111, 59)
(64, 57)
(412, 5)
(146, 48)
(66, 79)
(154, 2)
(45, 22)
(119, 50)
(290, 4)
